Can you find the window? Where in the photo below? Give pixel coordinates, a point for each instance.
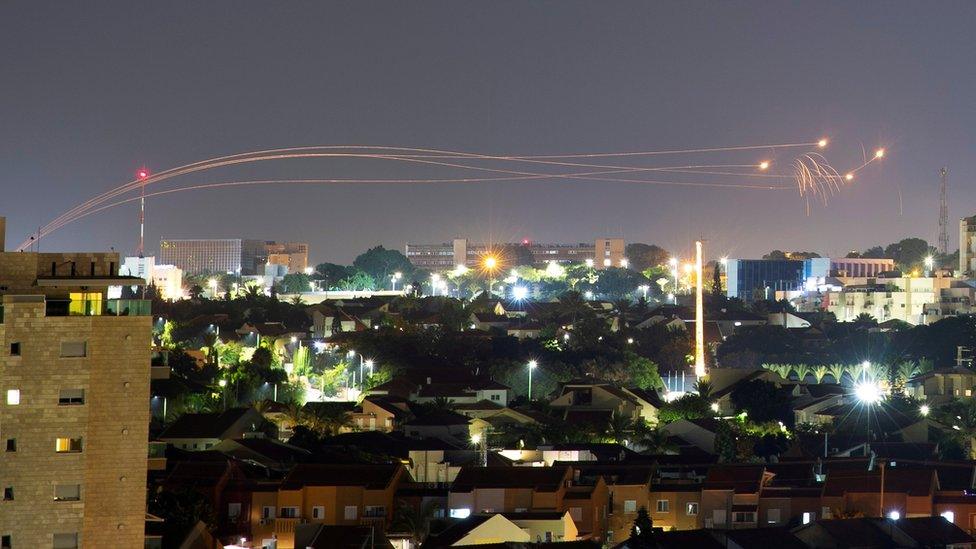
(85, 303)
(949, 516)
(11, 445)
(318, 513)
(71, 397)
(663, 505)
(66, 541)
(576, 513)
(15, 349)
(67, 445)
(74, 349)
(67, 492)
(744, 516)
(233, 510)
(772, 516)
(496, 397)
(6, 541)
(807, 517)
(8, 493)
(289, 512)
(461, 513)
(692, 509)
(630, 506)
(825, 512)
(267, 512)
(374, 511)
(13, 397)
(350, 512)
(718, 517)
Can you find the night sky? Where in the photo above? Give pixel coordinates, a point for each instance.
(90, 91)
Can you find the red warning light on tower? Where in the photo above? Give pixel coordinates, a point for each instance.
(142, 173)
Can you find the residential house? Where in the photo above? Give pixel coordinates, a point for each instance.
(698, 432)
(907, 491)
(265, 452)
(479, 529)
(730, 495)
(324, 536)
(442, 424)
(629, 487)
(380, 413)
(943, 385)
(205, 430)
(675, 504)
(345, 495)
(597, 401)
(884, 532)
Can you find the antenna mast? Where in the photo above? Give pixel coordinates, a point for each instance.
(944, 212)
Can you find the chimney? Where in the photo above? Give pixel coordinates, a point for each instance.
(3, 233)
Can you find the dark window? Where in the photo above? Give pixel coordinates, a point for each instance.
(54, 268)
(72, 268)
(6, 542)
(68, 397)
(111, 268)
(15, 349)
(8, 493)
(11, 445)
(92, 268)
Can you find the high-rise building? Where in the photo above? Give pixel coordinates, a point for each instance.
(605, 252)
(967, 246)
(201, 255)
(751, 279)
(232, 255)
(74, 414)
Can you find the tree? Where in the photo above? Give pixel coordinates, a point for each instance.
(874, 252)
(331, 273)
(907, 253)
(645, 256)
(181, 509)
(415, 521)
(762, 401)
(359, 280)
(642, 532)
(518, 255)
(643, 372)
(295, 283)
(380, 263)
(618, 283)
(775, 255)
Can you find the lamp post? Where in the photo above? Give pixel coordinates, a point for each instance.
(674, 273)
(435, 280)
(929, 263)
(213, 288)
(394, 277)
(532, 366)
(644, 288)
(491, 263)
(223, 391)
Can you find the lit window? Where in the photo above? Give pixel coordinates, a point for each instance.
(460, 513)
(663, 506)
(692, 509)
(949, 516)
(318, 512)
(67, 445)
(289, 512)
(807, 517)
(630, 506)
(351, 512)
(13, 397)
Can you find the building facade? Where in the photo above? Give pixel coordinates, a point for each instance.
(202, 255)
(967, 246)
(604, 252)
(751, 279)
(74, 418)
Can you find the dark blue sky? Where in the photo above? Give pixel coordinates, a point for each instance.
(91, 90)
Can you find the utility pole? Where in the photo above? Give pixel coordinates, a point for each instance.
(944, 212)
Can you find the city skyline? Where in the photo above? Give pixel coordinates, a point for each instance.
(658, 78)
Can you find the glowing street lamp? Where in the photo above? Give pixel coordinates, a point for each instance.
(764, 165)
(624, 263)
(532, 366)
(929, 263)
(644, 289)
(924, 410)
(213, 287)
(822, 143)
(588, 294)
(520, 293)
(879, 153)
(394, 277)
(589, 262)
(868, 392)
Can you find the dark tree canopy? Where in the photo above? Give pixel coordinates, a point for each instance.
(380, 264)
(644, 256)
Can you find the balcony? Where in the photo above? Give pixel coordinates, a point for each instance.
(287, 525)
(98, 307)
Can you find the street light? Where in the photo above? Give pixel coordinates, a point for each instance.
(589, 262)
(213, 287)
(532, 366)
(929, 262)
(924, 410)
(624, 263)
(644, 289)
(394, 277)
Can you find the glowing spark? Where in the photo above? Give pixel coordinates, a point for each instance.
(879, 153)
(822, 143)
(764, 165)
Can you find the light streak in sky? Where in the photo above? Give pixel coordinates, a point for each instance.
(812, 175)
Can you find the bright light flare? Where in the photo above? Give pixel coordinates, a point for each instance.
(520, 293)
(142, 173)
(879, 153)
(924, 410)
(849, 176)
(764, 165)
(868, 392)
(822, 143)
(491, 262)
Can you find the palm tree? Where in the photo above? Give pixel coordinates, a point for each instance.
(619, 428)
(572, 304)
(704, 389)
(819, 372)
(328, 420)
(623, 309)
(654, 440)
(414, 521)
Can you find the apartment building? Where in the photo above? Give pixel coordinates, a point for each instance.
(603, 252)
(74, 417)
(345, 495)
(197, 256)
